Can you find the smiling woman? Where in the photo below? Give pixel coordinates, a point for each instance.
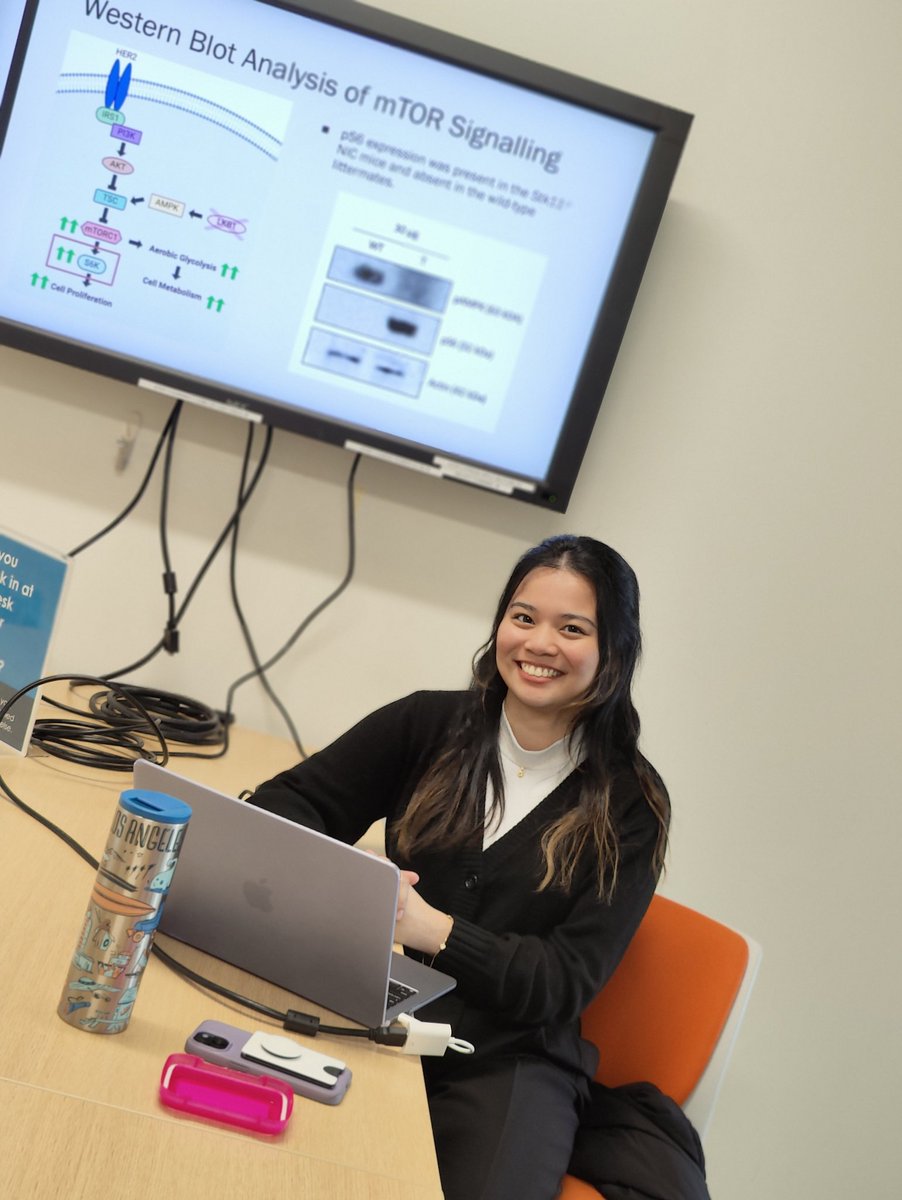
(530, 832)
(546, 650)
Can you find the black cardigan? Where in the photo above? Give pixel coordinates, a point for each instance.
(526, 962)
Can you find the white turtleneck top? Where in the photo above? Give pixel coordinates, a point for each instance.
(529, 776)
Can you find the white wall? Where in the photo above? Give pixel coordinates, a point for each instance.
(745, 461)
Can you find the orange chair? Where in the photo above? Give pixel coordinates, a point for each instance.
(670, 1013)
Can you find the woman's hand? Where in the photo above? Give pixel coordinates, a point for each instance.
(408, 879)
(417, 924)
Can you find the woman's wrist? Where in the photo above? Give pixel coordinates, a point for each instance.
(443, 936)
(422, 927)
(449, 926)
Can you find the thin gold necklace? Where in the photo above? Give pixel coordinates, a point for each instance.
(520, 769)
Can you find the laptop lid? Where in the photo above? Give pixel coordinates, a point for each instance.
(288, 904)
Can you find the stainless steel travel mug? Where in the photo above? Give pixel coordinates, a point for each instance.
(124, 911)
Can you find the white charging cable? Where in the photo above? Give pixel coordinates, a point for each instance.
(425, 1037)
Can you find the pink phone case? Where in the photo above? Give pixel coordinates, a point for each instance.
(256, 1102)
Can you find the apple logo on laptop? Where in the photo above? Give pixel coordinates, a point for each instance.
(258, 894)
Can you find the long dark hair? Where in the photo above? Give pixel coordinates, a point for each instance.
(448, 806)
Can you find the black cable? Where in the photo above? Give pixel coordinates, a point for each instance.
(169, 640)
(48, 824)
(180, 969)
(180, 718)
(171, 962)
(141, 662)
(170, 633)
(240, 506)
(167, 430)
(324, 604)
(245, 628)
(94, 735)
(176, 618)
(89, 745)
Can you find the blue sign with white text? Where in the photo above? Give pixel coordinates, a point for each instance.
(31, 587)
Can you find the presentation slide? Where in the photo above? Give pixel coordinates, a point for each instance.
(293, 210)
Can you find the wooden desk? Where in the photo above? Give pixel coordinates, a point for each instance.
(79, 1112)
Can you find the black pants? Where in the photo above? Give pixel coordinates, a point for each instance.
(503, 1129)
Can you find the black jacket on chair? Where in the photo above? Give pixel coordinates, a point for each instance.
(635, 1143)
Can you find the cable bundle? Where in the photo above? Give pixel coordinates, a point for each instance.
(180, 719)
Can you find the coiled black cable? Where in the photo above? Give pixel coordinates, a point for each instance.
(88, 743)
(180, 718)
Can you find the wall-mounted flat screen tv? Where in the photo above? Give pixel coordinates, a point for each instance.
(332, 220)
(10, 18)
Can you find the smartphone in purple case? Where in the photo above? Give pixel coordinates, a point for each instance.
(307, 1072)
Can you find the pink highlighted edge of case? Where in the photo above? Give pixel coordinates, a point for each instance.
(256, 1102)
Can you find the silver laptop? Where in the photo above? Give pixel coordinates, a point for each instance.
(289, 904)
